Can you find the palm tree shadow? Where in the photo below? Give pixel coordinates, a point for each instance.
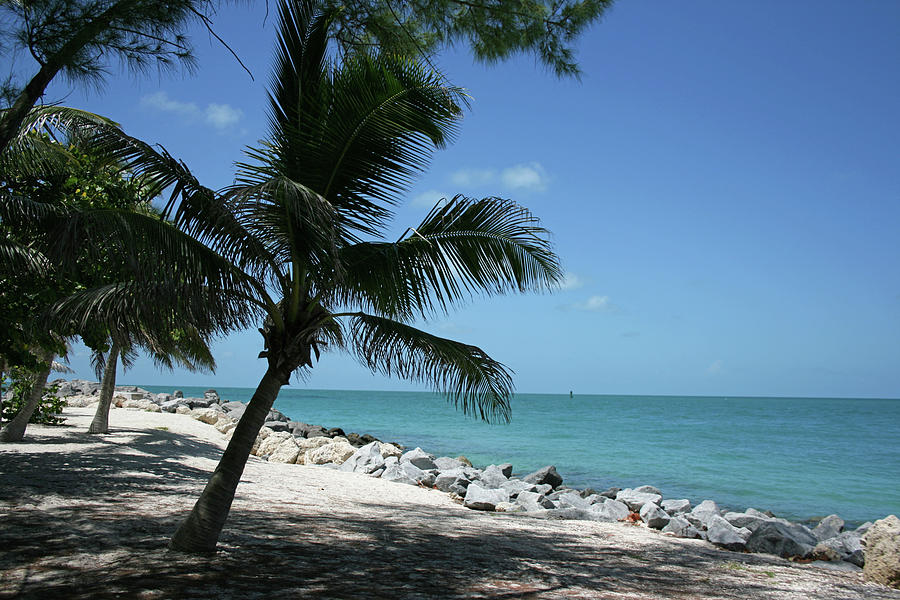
(97, 524)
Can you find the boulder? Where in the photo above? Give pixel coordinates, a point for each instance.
(465, 461)
(610, 510)
(611, 493)
(882, 552)
(828, 528)
(419, 458)
(276, 415)
(725, 535)
(493, 477)
(451, 479)
(388, 450)
(160, 398)
(236, 411)
(199, 402)
(178, 394)
(506, 469)
(572, 499)
(532, 501)
(676, 507)
(262, 435)
(336, 432)
(648, 489)
(635, 500)
(366, 459)
(336, 452)
(307, 445)
(479, 498)
(393, 472)
(515, 486)
(212, 396)
(749, 521)
(418, 475)
(182, 409)
(546, 475)
(171, 405)
(705, 511)
(206, 415)
(848, 544)
(286, 452)
(271, 442)
(823, 551)
(233, 405)
(280, 426)
(508, 507)
(782, 538)
(316, 431)
(680, 527)
(225, 424)
(654, 516)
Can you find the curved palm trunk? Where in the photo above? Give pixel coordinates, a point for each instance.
(14, 431)
(200, 531)
(100, 424)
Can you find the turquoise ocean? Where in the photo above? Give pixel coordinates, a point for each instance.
(801, 458)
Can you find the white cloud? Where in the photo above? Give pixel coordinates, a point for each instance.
(531, 176)
(222, 116)
(526, 176)
(596, 304)
(571, 281)
(160, 100)
(715, 367)
(473, 177)
(429, 198)
(219, 116)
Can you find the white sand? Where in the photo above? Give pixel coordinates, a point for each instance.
(89, 516)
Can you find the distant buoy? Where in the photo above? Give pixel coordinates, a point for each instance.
(571, 395)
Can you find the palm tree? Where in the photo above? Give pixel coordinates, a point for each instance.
(307, 217)
(91, 261)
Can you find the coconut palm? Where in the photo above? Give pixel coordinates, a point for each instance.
(308, 214)
(80, 233)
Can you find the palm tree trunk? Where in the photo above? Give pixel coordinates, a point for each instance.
(100, 424)
(200, 531)
(15, 429)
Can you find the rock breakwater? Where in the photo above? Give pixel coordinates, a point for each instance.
(541, 494)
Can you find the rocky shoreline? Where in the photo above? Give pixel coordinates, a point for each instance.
(872, 548)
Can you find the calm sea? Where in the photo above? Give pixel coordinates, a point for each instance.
(798, 457)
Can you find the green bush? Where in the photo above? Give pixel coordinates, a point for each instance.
(48, 410)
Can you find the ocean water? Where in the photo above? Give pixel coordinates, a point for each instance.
(801, 458)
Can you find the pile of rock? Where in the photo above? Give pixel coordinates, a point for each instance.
(540, 494)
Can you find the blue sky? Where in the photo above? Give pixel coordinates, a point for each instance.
(723, 187)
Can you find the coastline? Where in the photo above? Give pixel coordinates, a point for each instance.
(311, 529)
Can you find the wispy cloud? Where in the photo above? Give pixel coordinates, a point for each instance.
(473, 177)
(715, 367)
(571, 281)
(220, 116)
(598, 304)
(531, 176)
(429, 198)
(522, 177)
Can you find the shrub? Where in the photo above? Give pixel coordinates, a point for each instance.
(48, 410)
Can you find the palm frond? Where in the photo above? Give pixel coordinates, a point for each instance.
(462, 248)
(466, 375)
(357, 133)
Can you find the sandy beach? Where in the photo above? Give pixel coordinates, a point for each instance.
(90, 517)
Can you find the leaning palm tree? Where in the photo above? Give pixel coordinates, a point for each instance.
(308, 214)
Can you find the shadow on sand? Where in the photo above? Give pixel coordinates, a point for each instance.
(105, 548)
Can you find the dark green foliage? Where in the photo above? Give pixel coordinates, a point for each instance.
(48, 411)
(493, 29)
